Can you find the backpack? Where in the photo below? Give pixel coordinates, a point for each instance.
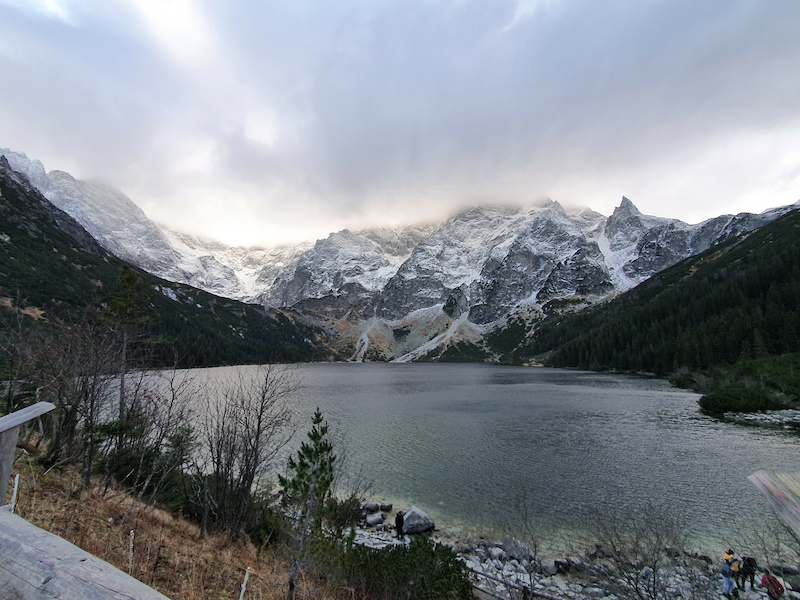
(774, 587)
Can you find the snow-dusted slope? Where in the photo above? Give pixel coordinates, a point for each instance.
(366, 260)
(232, 271)
(485, 261)
(113, 220)
(122, 228)
(108, 215)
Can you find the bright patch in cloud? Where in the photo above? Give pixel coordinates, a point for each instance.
(52, 9)
(181, 29)
(261, 125)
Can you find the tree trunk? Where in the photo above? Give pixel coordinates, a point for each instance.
(122, 371)
(300, 546)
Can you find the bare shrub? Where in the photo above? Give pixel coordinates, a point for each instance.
(244, 429)
(522, 544)
(642, 552)
(71, 367)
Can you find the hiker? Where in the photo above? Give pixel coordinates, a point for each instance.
(747, 570)
(729, 589)
(398, 524)
(774, 587)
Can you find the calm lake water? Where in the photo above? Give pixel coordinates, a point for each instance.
(462, 442)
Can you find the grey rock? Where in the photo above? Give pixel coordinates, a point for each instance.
(549, 570)
(516, 549)
(497, 553)
(374, 519)
(416, 521)
(562, 566)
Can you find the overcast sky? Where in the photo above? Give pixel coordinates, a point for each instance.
(261, 122)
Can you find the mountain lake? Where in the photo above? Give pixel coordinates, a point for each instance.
(465, 442)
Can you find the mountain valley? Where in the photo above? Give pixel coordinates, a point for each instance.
(416, 292)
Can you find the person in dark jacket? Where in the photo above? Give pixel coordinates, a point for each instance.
(747, 570)
(398, 524)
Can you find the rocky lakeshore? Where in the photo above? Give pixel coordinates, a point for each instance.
(778, 419)
(509, 570)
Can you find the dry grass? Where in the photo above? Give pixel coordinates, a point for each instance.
(170, 554)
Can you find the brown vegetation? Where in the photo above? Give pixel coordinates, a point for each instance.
(170, 554)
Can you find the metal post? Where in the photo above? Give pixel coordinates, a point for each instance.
(14, 493)
(244, 583)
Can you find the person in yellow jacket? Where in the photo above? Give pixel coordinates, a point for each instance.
(729, 589)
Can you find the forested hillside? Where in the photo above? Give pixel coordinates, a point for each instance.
(52, 271)
(736, 303)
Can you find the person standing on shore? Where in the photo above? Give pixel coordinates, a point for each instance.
(398, 524)
(729, 589)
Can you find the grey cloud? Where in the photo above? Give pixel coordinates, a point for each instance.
(439, 91)
(401, 100)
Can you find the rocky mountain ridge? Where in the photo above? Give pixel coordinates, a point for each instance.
(387, 293)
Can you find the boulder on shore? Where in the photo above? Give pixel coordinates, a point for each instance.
(416, 521)
(374, 519)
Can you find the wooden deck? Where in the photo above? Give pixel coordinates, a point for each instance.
(35, 564)
(783, 492)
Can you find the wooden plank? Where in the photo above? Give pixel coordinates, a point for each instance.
(36, 564)
(24, 415)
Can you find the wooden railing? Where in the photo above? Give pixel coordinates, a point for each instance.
(37, 564)
(9, 432)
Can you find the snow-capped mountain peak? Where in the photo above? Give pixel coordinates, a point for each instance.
(476, 267)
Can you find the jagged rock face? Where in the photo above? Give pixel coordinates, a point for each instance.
(664, 244)
(366, 258)
(626, 225)
(550, 255)
(451, 257)
(42, 210)
(583, 274)
(33, 170)
(352, 302)
(108, 215)
(658, 248)
(112, 219)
